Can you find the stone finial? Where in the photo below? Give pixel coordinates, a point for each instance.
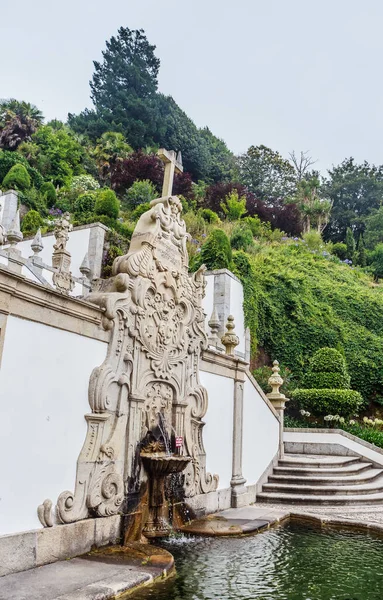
(85, 266)
(14, 234)
(214, 324)
(230, 339)
(37, 243)
(275, 381)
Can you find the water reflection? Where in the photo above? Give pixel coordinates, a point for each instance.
(288, 563)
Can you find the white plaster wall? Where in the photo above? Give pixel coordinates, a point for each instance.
(260, 434)
(1, 207)
(78, 245)
(44, 378)
(218, 431)
(236, 309)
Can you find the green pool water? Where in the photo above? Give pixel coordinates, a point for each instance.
(292, 562)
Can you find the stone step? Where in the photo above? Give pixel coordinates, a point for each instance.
(365, 476)
(317, 462)
(358, 467)
(325, 490)
(332, 500)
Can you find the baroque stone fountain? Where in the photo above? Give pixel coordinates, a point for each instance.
(147, 390)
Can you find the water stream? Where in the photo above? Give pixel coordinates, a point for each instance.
(292, 562)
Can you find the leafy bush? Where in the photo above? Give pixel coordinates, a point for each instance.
(17, 178)
(326, 380)
(216, 252)
(48, 190)
(313, 239)
(340, 250)
(258, 228)
(326, 401)
(241, 238)
(209, 215)
(85, 203)
(34, 199)
(31, 222)
(140, 210)
(83, 183)
(8, 159)
(141, 192)
(107, 203)
(233, 206)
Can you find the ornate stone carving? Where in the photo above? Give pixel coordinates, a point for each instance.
(230, 339)
(61, 232)
(152, 307)
(61, 259)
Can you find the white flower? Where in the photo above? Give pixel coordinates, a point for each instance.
(352, 422)
(303, 412)
(341, 420)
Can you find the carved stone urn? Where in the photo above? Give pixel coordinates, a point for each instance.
(158, 467)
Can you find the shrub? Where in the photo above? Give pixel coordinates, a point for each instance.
(233, 206)
(48, 190)
(340, 250)
(83, 183)
(258, 228)
(216, 252)
(209, 215)
(241, 238)
(141, 192)
(8, 159)
(17, 178)
(34, 199)
(328, 401)
(31, 222)
(85, 202)
(327, 371)
(313, 239)
(107, 203)
(140, 210)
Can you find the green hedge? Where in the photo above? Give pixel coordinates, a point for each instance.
(326, 380)
(17, 178)
(328, 360)
(328, 401)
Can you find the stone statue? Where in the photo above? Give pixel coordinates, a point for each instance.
(61, 232)
(158, 241)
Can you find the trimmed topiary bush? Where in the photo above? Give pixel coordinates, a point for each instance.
(17, 178)
(327, 370)
(31, 222)
(107, 203)
(85, 203)
(326, 386)
(216, 252)
(328, 401)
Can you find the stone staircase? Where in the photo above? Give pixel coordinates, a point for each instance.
(323, 480)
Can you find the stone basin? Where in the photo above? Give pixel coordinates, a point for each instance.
(160, 465)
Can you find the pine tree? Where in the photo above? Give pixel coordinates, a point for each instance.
(362, 257)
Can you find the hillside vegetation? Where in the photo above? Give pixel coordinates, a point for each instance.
(308, 248)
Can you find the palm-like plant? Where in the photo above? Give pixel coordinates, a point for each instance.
(315, 211)
(18, 121)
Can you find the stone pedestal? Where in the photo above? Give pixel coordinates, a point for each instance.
(278, 401)
(8, 208)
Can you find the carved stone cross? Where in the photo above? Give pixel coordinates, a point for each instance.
(173, 164)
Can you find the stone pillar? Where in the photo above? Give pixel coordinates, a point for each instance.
(239, 495)
(14, 236)
(8, 208)
(96, 248)
(278, 400)
(247, 345)
(37, 246)
(222, 287)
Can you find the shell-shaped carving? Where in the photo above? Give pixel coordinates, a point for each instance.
(107, 493)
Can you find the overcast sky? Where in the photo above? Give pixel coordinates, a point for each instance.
(290, 74)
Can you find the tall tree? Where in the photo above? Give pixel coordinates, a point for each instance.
(123, 90)
(266, 174)
(356, 191)
(315, 211)
(18, 121)
(302, 164)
